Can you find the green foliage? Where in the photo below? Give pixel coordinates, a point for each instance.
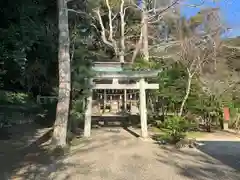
(140, 64)
(173, 129)
(177, 126)
(172, 82)
(77, 112)
(172, 86)
(81, 65)
(234, 115)
(28, 38)
(28, 59)
(16, 98)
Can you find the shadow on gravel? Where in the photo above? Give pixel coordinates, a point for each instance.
(13, 159)
(38, 162)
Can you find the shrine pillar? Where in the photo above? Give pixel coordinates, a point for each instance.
(88, 116)
(125, 100)
(104, 100)
(143, 108)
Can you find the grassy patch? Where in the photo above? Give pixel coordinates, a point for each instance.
(159, 130)
(163, 134)
(195, 134)
(191, 134)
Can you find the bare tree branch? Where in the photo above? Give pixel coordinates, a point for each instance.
(122, 23)
(110, 21)
(114, 43)
(160, 10)
(198, 49)
(103, 32)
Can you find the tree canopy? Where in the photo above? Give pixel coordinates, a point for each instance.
(29, 51)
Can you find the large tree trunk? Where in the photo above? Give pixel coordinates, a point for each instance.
(186, 95)
(60, 126)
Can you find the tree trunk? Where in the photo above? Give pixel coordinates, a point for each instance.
(186, 95)
(60, 126)
(122, 39)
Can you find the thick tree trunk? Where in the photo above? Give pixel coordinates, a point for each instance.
(60, 126)
(186, 95)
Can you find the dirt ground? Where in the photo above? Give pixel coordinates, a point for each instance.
(117, 155)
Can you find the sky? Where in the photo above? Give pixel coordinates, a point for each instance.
(229, 9)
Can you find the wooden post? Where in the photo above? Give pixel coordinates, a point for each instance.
(104, 100)
(88, 116)
(143, 109)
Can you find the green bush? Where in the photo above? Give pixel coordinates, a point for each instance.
(176, 126)
(235, 117)
(77, 113)
(7, 97)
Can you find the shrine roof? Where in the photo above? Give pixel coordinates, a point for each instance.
(127, 74)
(110, 70)
(108, 66)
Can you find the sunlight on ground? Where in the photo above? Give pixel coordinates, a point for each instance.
(158, 130)
(196, 134)
(193, 134)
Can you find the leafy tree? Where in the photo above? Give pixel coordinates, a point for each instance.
(27, 37)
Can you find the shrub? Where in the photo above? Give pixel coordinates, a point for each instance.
(8, 97)
(77, 114)
(176, 126)
(235, 118)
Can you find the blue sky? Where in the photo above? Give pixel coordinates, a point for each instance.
(230, 12)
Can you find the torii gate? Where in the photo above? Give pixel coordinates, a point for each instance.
(141, 84)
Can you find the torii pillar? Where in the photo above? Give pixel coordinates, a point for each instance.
(143, 109)
(88, 115)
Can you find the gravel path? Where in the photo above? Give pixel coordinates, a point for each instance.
(120, 156)
(117, 155)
